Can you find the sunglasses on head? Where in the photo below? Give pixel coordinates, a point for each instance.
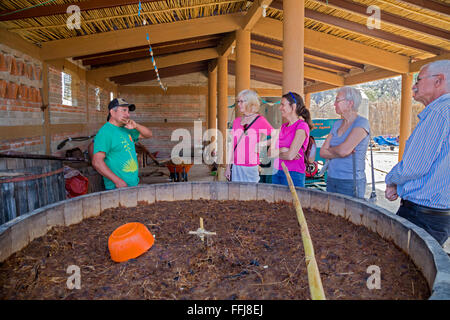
(292, 96)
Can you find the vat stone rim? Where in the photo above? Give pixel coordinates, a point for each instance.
(423, 249)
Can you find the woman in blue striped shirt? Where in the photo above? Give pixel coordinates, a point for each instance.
(422, 178)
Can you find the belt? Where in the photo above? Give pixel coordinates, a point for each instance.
(423, 209)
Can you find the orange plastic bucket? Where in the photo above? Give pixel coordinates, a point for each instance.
(129, 241)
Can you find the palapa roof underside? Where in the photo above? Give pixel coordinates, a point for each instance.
(185, 35)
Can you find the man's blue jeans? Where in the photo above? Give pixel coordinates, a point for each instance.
(438, 226)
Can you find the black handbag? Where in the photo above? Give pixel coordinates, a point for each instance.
(240, 138)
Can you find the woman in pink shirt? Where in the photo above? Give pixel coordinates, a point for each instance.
(292, 141)
(248, 131)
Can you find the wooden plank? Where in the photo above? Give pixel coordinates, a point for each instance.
(146, 64)
(387, 17)
(121, 39)
(42, 182)
(254, 13)
(32, 194)
(336, 46)
(57, 9)
(20, 196)
(435, 6)
(374, 33)
(16, 42)
(8, 201)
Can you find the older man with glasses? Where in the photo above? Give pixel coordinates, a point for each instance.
(422, 178)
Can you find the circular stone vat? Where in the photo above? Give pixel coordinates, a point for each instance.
(422, 249)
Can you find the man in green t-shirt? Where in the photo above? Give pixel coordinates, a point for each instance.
(114, 152)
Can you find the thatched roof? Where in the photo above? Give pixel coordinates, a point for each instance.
(410, 29)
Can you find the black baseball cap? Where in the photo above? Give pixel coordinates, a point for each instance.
(119, 102)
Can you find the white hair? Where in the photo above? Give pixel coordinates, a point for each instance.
(440, 67)
(252, 98)
(352, 94)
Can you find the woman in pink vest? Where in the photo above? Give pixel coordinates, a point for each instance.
(292, 141)
(248, 131)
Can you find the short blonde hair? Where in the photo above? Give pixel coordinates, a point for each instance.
(252, 100)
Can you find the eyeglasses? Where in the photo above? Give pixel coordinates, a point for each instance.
(241, 101)
(418, 79)
(337, 101)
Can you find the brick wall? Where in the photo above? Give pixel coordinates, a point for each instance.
(21, 101)
(165, 113)
(20, 98)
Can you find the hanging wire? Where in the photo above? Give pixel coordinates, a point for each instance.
(144, 22)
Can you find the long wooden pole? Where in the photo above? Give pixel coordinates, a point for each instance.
(315, 283)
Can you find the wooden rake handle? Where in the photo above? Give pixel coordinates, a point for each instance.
(315, 283)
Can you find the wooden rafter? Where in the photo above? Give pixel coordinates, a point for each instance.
(330, 58)
(270, 63)
(122, 39)
(395, 20)
(163, 73)
(335, 46)
(308, 60)
(144, 53)
(146, 64)
(56, 9)
(254, 14)
(435, 6)
(363, 30)
(374, 33)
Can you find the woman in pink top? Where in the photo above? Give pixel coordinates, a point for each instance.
(248, 131)
(292, 141)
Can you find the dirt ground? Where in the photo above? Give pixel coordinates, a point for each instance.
(256, 254)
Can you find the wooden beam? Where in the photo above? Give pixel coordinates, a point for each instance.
(16, 42)
(388, 18)
(144, 52)
(319, 87)
(434, 6)
(372, 75)
(56, 9)
(146, 64)
(308, 60)
(163, 73)
(153, 90)
(254, 13)
(310, 52)
(17, 132)
(416, 66)
(332, 45)
(374, 33)
(351, 80)
(121, 39)
(310, 73)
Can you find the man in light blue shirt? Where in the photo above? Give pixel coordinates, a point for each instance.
(422, 178)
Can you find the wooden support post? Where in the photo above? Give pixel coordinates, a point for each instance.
(242, 80)
(405, 113)
(46, 107)
(293, 45)
(308, 100)
(222, 114)
(212, 102)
